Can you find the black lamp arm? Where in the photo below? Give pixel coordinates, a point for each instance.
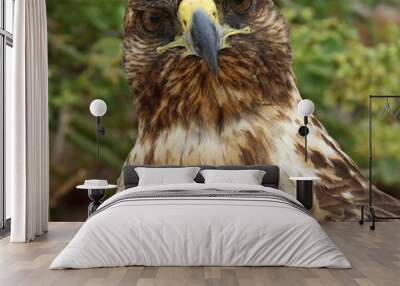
(304, 131)
(100, 131)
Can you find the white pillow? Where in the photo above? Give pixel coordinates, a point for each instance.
(247, 177)
(165, 176)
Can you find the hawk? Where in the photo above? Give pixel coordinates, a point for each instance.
(212, 82)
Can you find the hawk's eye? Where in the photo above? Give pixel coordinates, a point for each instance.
(241, 6)
(152, 21)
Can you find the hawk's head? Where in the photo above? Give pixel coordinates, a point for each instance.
(205, 61)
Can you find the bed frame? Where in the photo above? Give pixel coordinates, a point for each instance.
(270, 179)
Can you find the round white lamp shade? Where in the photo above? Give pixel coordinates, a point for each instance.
(306, 107)
(98, 108)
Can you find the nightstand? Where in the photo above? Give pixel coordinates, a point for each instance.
(96, 195)
(304, 190)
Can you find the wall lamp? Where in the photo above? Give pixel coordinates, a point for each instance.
(98, 108)
(305, 108)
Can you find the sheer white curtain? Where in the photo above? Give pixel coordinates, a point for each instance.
(27, 145)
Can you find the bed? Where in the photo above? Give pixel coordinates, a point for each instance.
(199, 224)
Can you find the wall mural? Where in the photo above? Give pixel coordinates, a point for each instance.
(244, 91)
(213, 84)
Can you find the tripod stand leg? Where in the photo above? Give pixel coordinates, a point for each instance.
(372, 210)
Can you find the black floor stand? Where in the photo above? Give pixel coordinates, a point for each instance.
(372, 217)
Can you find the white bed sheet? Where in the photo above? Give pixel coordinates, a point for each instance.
(200, 232)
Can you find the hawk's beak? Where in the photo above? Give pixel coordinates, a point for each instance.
(202, 35)
(205, 39)
(199, 20)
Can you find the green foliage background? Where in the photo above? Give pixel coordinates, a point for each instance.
(343, 51)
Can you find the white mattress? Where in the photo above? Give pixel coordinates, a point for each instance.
(193, 231)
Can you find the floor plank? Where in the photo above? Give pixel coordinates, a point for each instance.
(375, 257)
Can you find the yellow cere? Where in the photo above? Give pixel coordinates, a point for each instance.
(185, 14)
(187, 7)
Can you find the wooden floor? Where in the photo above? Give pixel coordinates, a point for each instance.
(375, 257)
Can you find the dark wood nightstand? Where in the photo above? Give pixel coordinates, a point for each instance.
(96, 195)
(304, 190)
